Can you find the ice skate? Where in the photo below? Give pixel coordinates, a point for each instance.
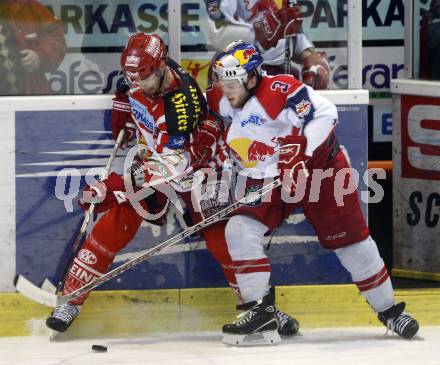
(62, 317)
(287, 325)
(258, 325)
(398, 322)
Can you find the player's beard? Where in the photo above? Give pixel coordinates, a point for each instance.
(153, 84)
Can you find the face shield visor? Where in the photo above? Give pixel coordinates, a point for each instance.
(150, 84)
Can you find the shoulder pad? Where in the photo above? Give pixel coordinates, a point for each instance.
(214, 95)
(272, 92)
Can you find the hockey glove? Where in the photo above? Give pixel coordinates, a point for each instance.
(292, 160)
(316, 71)
(105, 194)
(278, 24)
(121, 117)
(205, 137)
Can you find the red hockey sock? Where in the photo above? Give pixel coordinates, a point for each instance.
(112, 233)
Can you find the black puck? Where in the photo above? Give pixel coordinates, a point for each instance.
(99, 348)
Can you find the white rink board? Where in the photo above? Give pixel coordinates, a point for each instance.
(10, 105)
(360, 346)
(416, 176)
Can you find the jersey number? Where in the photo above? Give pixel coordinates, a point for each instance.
(280, 85)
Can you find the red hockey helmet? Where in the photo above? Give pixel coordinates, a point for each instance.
(142, 55)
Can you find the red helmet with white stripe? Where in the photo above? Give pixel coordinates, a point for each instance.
(142, 55)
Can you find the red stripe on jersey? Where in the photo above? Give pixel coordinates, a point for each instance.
(250, 270)
(373, 281)
(250, 262)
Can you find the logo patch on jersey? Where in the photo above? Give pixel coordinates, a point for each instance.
(303, 108)
(141, 114)
(253, 119)
(250, 190)
(132, 61)
(87, 256)
(153, 47)
(176, 142)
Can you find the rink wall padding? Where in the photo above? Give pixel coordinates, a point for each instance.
(40, 220)
(134, 312)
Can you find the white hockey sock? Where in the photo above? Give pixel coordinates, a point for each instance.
(368, 272)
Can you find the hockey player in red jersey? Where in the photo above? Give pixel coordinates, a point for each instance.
(270, 27)
(167, 112)
(280, 127)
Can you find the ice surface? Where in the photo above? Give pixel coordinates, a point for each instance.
(347, 346)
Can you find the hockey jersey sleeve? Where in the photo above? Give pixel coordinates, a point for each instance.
(313, 114)
(229, 9)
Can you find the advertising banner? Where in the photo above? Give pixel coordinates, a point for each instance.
(416, 155)
(106, 23)
(48, 218)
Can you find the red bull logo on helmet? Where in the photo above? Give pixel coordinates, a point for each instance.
(244, 55)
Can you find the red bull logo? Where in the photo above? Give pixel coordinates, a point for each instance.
(250, 152)
(244, 55)
(258, 151)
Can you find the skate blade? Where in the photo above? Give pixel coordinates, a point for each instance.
(254, 339)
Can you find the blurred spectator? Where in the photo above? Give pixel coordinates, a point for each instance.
(263, 23)
(31, 43)
(430, 43)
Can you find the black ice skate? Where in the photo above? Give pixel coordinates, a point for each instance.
(398, 322)
(287, 325)
(258, 325)
(62, 317)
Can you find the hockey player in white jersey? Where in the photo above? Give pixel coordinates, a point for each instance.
(269, 26)
(280, 127)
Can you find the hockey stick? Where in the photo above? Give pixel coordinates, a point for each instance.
(47, 284)
(35, 293)
(288, 48)
(77, 245)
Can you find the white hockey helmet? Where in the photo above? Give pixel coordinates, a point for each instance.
(239, 60)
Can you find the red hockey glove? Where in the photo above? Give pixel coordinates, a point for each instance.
(105, 194)
(281, 23)
(204, 146)
(316, 71)
(292, 160)
(121, 117)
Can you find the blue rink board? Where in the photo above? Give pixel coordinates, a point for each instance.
(45, 232)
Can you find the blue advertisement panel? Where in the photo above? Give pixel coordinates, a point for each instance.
(49, 141)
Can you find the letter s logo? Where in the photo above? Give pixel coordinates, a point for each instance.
(420, 138)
